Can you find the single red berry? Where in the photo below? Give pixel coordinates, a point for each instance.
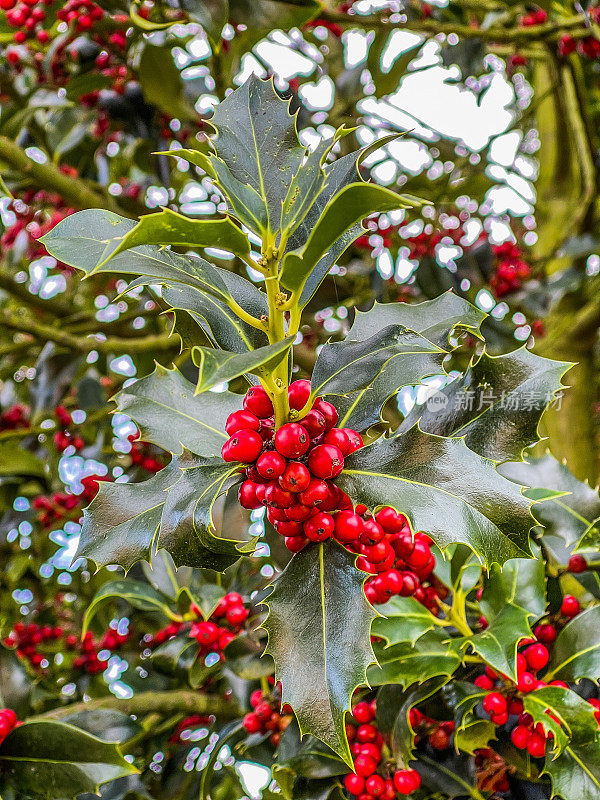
(244, 446)
(247, 495)
(390, 520)
(378, 553)
(237, 615)
(298, 394)
(277, 497)
(439, 739)
(366, 733)
(205, 632)
(537, 656)
(292, 440)
(365, 766)
(270, 465)
(263, 710)
(375, 785)
(258, 402)
(570, 606)
(299, 513)
(296, 477)
(252, 723)
(406, 781)
(339, 438)
(315, 494)
(241, 421)
(315, 423)
(526, 682)
(483, 682)
(371, 533)
(348, 526)
(494, 703)
(577, 564)
(289, 528)
(536, 746)
(319, 527)
(354, 783)
(545, 633)
(295, 543)
(328, 411)
(520, 736)
(326, 461)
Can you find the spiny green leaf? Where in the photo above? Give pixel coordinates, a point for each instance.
(576, 651)
(520, 581)
(217, 366)
(347, 366)
(403, 619)
(348, 207)
(406, 663)
(434, 319)
(138, 594)
(167, 227)
(445, 489)
(46, 759)
(169, 414)
(318, 626)
(497, 644)
(258, 141)
(471, 733)
(496, 405)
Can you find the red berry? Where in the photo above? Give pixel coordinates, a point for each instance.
(371, 533)
(244, 446)
(237, 615)
(390, 520)
(315, 424)
(483, 682)
(375, 785)
(252, 723)
(536, 746)
(298, 394)
(205, 632)
(365, 766)
(292, 440)
(354, 783)
(299, 513)
(317, 492)
(339, 438)
(577, 564)
(520, 736)
(241, 421)
(319, 527)
(545, 633)
(570, 606)
(289, 528)
(258, 402)
(355, 439)
(296, 477)
(328, 411)
(263, 710)
(295, 543)
(256, 698)
(406, 781)
(348, 526)
(326, 461)
(537, 656)
(526, 682)
(247, 495)
(494, 703)
(366, 733)
(270, 465)
(278, 497)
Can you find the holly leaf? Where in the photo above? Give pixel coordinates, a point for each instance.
(520, 582)
(573, 760)
(454, 775)
(445, 489)
(46, 759)
(138, 594)
(172, 510)
(403, 619)
(16, 460)
(576, 652)
(348, 207)
(497, 644)
(347, 366)
(258, 141)
(496, 405)
(318, 635)
(167, 227)
(568, 510)
(172, 416)
(218, 366)
(436, 320)
(162, 83)
(470, 733)
(407, 663)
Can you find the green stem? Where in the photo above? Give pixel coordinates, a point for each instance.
(279, 383)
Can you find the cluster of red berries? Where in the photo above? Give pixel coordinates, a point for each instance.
(61, 505)
(37, 212)
(537, 17)
(399, 562)
(504, 699)
(28, 638)
(14, 418)
(64, 438)
(291, 470)
(141, 456)
(372, 778)
(89, 649)
(511, 269)
(267, 716)
(8, 721)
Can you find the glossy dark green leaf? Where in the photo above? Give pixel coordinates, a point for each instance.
(222, 325)
(496, 405)
(576, 652)
(175, 656)
(170, 415)
(167, 227)
(407, 663)
(306, 756)
(217, 366)
(161, 81)
(346, 209)
(138, 594)
(497, 644)
(348, 366)
(46, 760)
(403, 619)
(568, 511)
(257, 140)
(573, 763)
(318, 625)
(434, 319)
(445, 489)
(172, 510)
(520, 581)
(245, 657)
(107, 724)
(454, 775)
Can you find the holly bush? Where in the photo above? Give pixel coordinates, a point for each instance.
(296, 437)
